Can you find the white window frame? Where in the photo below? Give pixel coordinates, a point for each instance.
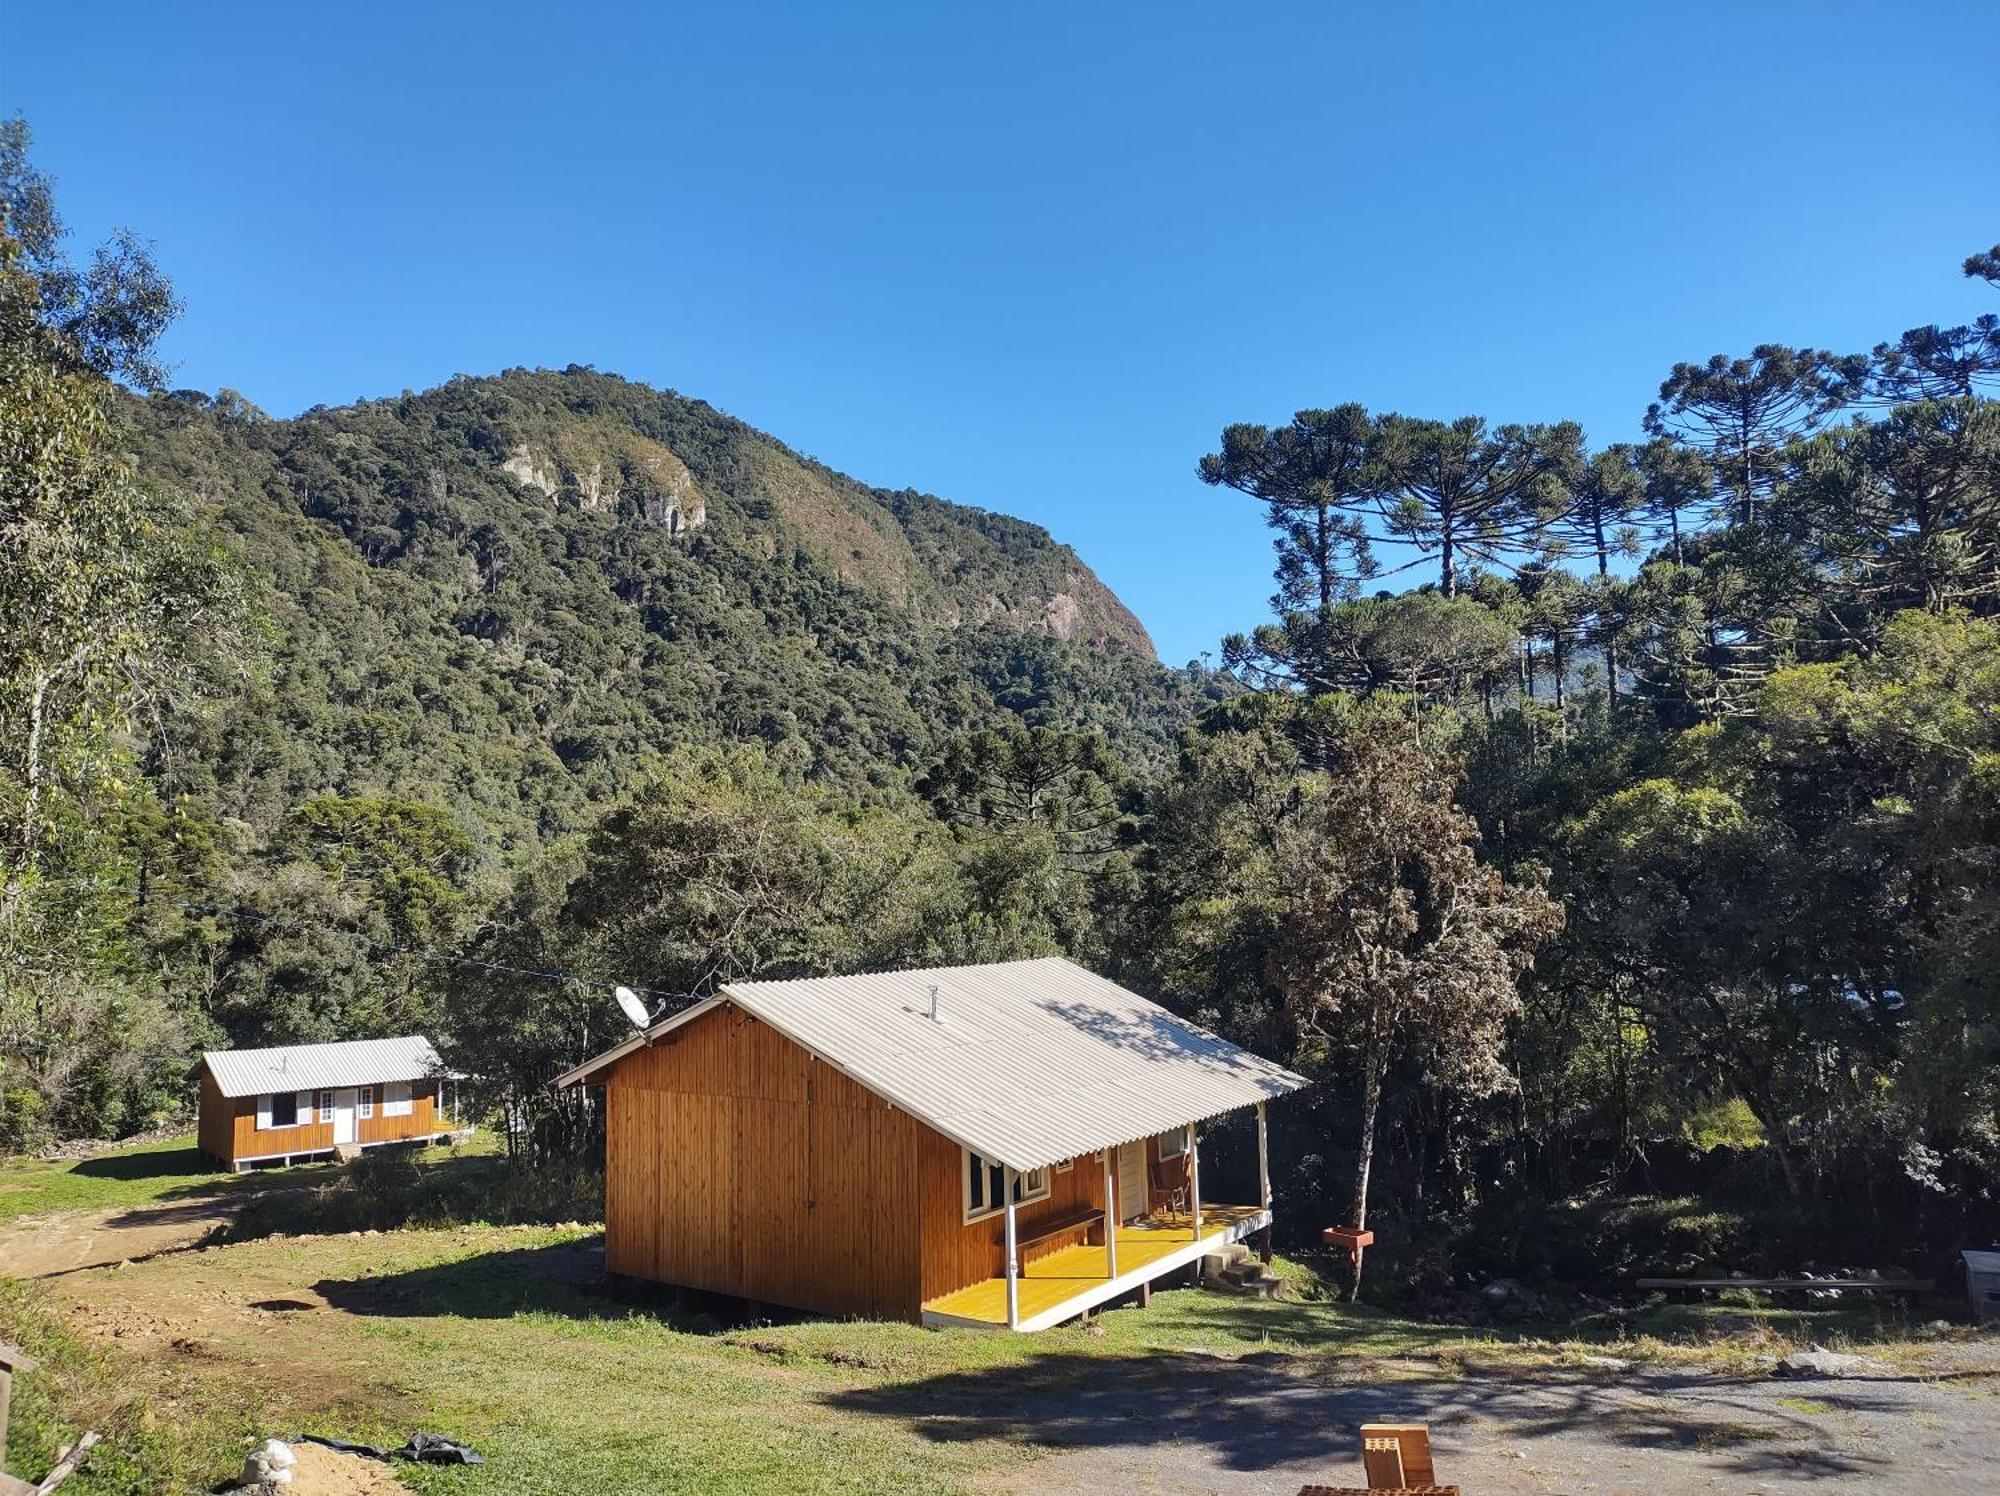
(1065, 1166)
(397, 1099)
(323, 1104)
(1172, 1144)
(1029, 1187)
(364, 1103)
(265, 1103)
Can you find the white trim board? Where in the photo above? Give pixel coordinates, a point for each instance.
(1111, 1288)
(444, 1134)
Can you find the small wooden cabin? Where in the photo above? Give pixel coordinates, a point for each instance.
(301, 1101)
(998, 1146)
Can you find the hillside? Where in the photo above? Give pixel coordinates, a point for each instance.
(508, 595)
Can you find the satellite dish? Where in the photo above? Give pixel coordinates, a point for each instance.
(632, 1005)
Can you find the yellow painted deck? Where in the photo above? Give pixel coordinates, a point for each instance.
(1049, 1283)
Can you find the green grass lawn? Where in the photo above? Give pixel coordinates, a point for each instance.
(111, 1181)
(505, 1336)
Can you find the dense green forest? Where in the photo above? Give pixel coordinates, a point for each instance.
(1612, 830)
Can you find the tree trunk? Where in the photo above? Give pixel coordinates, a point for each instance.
(29, 832)
(1448, 575)
(1325, 559)
(1364, 1160)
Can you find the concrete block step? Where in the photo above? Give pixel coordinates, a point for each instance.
(1247, 1272)
(1260, 1288)
(1213, 1262)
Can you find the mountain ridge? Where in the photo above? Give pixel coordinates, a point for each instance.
(512, 594)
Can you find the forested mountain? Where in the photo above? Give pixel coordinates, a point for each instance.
(510, 597)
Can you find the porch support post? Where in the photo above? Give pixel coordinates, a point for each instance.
(1263, 1161)
(1194, 1180)
(1111, 1214)
(1263, 1185)
(1013, 1263)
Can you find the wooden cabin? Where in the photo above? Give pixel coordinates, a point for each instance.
(996, 1146)
(303, 1101)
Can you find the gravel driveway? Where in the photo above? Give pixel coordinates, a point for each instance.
(1264, 1425)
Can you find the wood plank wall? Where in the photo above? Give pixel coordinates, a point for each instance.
(956, 1255)
(215, 1130)
(737, 1163)
(422, 1122)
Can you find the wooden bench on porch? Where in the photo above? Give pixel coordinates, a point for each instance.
(1054, 1226)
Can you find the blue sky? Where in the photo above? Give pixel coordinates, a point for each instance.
(1031, 256)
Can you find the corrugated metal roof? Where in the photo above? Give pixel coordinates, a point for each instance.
(307, 1067)
(1028, 1062)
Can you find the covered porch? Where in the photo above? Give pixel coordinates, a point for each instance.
(1064, 1284)
(1140, 1238)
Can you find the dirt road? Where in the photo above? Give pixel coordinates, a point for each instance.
(32, 1247)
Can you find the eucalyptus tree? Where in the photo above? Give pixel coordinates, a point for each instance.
(1464, 492)
(1741, 413)
(1318, 479)
(114, 606)
(110, 598)
(107, 317)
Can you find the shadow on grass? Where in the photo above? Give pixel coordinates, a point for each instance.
(1268, 1413)
(161, 1163)
(563, 1278)
(388, 1189)
(553, 1279)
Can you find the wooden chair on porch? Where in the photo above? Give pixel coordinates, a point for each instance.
(1170, 1180)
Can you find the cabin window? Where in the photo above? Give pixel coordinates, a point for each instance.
(1065, 1166)
(367, 1101)
(1172, 1144)
(326, 1106)
(396, 1099)
(986, 1187)
(284, 1109)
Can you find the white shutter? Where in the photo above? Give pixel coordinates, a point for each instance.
(305, 1113)
(263, 1113)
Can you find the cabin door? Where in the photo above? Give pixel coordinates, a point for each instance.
(343, 1116)
(1132, 1194)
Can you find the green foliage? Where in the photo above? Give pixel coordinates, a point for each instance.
(116, 608)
